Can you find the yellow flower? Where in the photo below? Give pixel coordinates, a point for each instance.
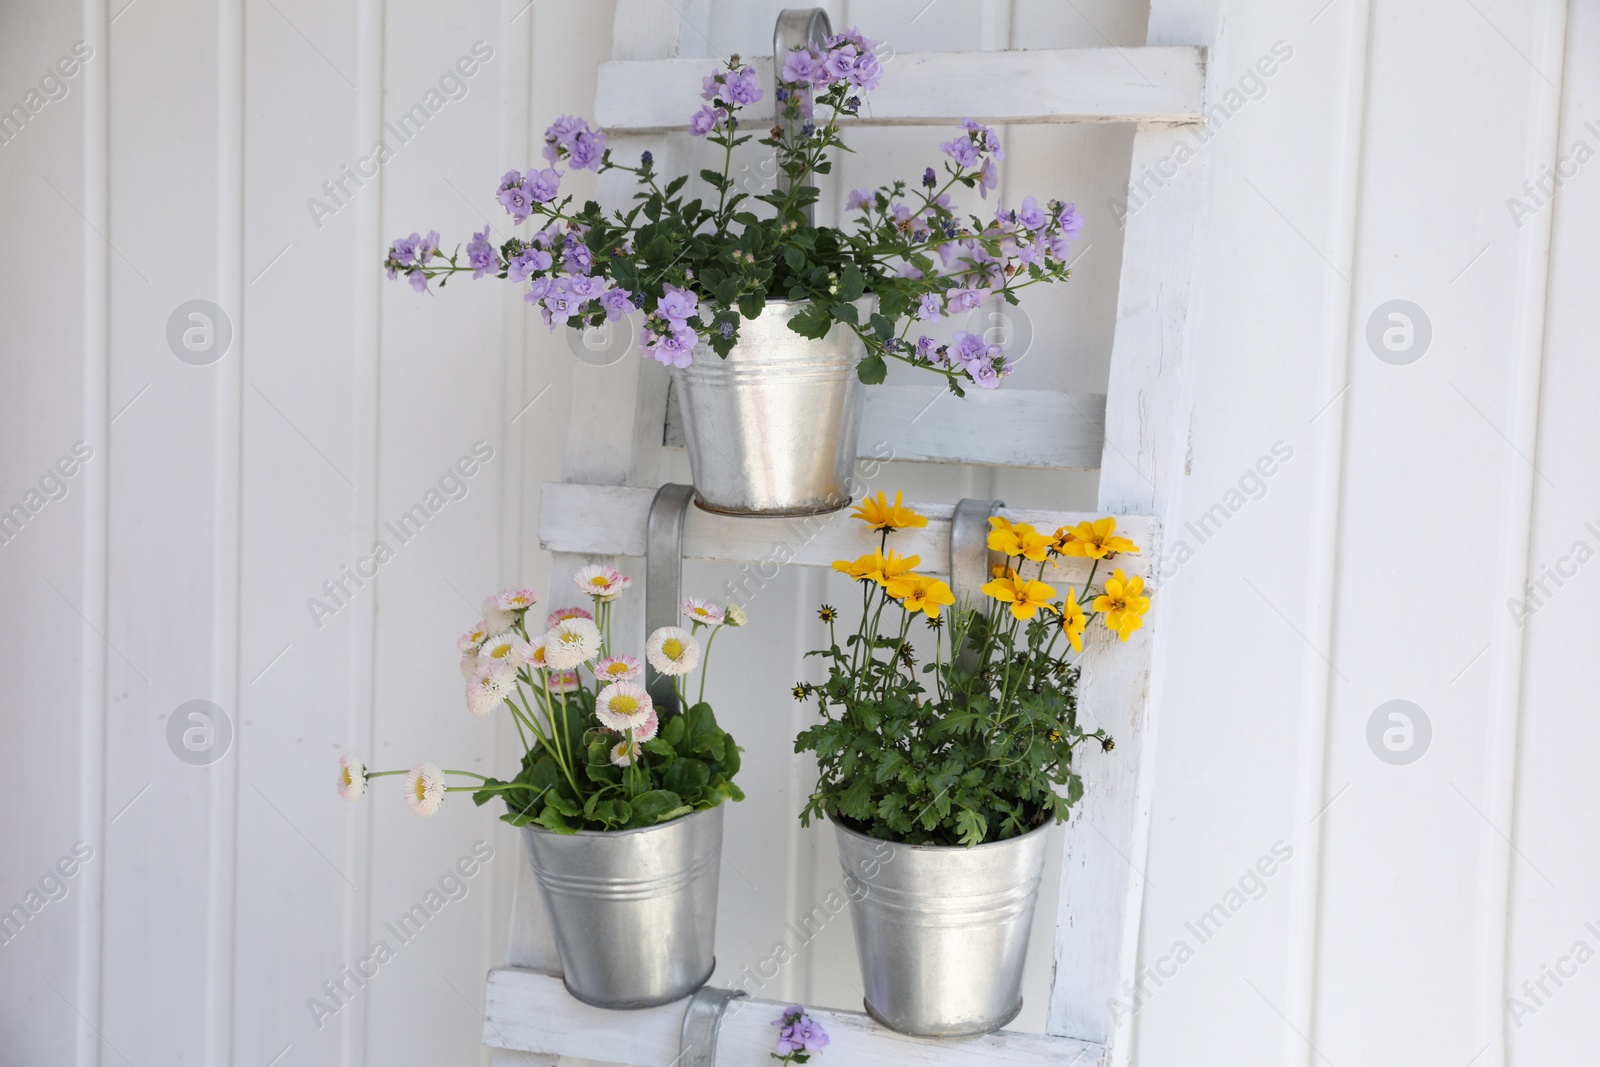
(1018, 540)
(1073, 620)
(1025, 597)
(1093, 540)
(879, 514)
(860, 569)
(1123, 603)
(918, 592)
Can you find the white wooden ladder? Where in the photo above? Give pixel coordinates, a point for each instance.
(1135, 435)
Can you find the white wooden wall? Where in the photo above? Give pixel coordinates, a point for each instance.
(1374, 164)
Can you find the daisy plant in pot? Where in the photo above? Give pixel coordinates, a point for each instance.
(620, 801)
(765, 318)
(950, 731)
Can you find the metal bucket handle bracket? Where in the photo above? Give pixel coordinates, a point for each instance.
(663, 581)
(970, 558)
(797, 27)
(697, 1043)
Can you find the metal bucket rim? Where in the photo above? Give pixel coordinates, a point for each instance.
(945, 849)
(611, 835)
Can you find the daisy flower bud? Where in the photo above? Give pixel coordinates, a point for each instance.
(352, 777)
(602, 583)
(489, 687)
(624, 752)
(424, 788)
(618, 669)
(560, 615)
(735, 615)
(473, 637)
(571, 642)
(623, 706)
(703, 611)
(496, 618)
(516, 600)
(671, 650)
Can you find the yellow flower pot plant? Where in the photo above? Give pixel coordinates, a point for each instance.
(619, 799)
(944, 758)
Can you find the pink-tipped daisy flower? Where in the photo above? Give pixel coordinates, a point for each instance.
(424, 788)
(623, 706)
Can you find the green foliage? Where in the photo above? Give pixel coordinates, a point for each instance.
(689, 766)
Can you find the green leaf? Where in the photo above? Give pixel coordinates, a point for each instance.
(752, 304)
(872, 370)
(845, 313)
(813, 322)
(677, 183)
(882, 327)
(687, 777)
(851, 284)
(795, 258)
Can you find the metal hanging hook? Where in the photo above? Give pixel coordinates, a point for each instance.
(663, 581)
(971, 560)
(797, 27)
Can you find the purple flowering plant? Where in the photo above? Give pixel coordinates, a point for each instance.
(698, 265)
(801, 1036)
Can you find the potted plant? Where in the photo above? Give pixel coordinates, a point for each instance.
(770, 323)
(963, 761)
(620, 802)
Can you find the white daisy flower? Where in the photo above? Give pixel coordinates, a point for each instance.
(560, 615)
(570, 643)
(623, 706)
(602, 583)
(469, 663)
(516, 600)
(624, 752)
(473, 637)
(502, 647)
(532, 653)
(491, 685)
(672, 650)
(735, 615)
(651, 727)
(352, 777)
(565, 682)
(495, 617)
(425, 788)
(618, 668)
(703, 611)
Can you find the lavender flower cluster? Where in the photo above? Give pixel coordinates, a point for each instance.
(800, 1036)
(696, 271)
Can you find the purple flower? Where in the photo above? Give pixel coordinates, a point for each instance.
(557, 308)
(711, 86)
(510, 179)
(538, 289)
(799, 1033)
(575, 255)
(516, 201)
(958, 300)
(543, 185)
(985, 375)
(526, 262)
(866, 72)
(1032, 215)
(858, 198)
(419, 281)
(1070, 221)
(480, 254)
(429, 245)
(404, 250)
(584, 288)
(675, 349)
(925, 346)
(646, 158)
(726, 330)
(929, 178)
(838, 63)
(801, 67)
(962, 150)
(678, 306)
(929, 311)
(989, 178)
(969, 347)
(741, 88)
(705, 120)
(587, 150)
(616, 303)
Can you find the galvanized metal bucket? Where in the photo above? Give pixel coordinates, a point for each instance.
(772, 429)
(634, 912)
(942, 933)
